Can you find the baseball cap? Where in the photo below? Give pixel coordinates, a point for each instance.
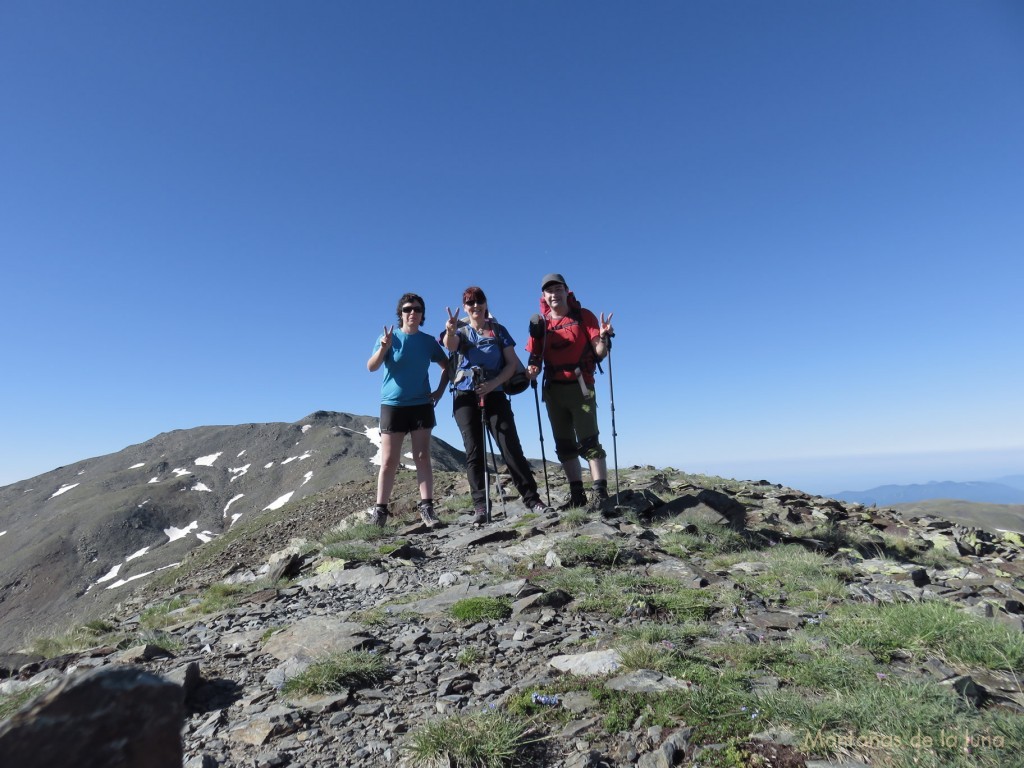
(553, 277)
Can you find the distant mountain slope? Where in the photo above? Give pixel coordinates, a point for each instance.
(1014, 481)
(991, 517)
(886, 495)
(80, 538)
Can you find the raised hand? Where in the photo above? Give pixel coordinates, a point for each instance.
(606, 325)
(452, 324)
(385, 341)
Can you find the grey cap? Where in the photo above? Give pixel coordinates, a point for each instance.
(554, 277)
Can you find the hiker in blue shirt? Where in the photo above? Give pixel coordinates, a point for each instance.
(407, 403)
(486, 361)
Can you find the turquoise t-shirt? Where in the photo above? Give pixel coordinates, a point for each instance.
(407, 368)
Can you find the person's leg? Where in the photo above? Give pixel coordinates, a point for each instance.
(390, 454)
(503, 426)
(467, 416)
(560, 400)
(585, 421)
(421, 458)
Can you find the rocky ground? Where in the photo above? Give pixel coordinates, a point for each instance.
(232, 664)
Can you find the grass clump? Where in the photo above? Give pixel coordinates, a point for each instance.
(899, 723)
(489, 739)
(585, 549)
(702, 536)
(356, 532)
(622, 594)
(469, 656)
(214, 599)
(76, 639)
(925, 628)
(12, 702)
(793, 576)
(352, 551)
(338, 672)
(574, 518)
(482, 609)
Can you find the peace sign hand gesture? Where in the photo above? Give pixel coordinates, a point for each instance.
(385, 341)
(452, 324)
(606, 325)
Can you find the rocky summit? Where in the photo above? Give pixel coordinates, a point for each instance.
(679, 623)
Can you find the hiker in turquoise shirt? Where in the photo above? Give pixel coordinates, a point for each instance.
(407, 403)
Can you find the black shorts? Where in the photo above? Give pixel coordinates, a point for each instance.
(406, 418)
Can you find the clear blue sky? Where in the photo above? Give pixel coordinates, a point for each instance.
(807, 217)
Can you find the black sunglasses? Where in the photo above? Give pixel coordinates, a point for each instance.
(407, 310)
(476, 303)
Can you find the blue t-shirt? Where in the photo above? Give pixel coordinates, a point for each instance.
(483, 350)
(407, 368)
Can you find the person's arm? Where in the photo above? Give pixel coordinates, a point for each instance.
(506, 373)
(438, 393)
(377, 358)
(451, 328)
(601, 340)
(535, 347)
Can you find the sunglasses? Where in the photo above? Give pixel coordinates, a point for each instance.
(476, 303)
(407, 310)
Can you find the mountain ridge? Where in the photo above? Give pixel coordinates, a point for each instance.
(985, 491)
(77, 538)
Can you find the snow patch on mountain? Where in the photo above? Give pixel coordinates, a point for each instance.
(278, 503)
(179, 533)
(228, 505)
(64, 489)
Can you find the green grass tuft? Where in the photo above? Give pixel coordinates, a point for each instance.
(489, 739)
(932, 627)
(338, 672)
(482, 608)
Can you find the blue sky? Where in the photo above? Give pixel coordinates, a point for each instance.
(806, 217)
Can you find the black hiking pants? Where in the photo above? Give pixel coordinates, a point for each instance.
(502, 423)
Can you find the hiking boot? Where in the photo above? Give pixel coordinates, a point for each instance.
(379, 515)
(599, 501)
(480, 515)
(539, 507)
(427, 514)
(576, 501)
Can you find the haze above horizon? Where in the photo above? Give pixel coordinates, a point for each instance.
(805, 217)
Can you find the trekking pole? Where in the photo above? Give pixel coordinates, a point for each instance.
(611, 397)
(483, 450)
(497, 476)
(538, 332)
(540, 431)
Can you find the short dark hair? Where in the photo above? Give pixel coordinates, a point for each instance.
(408, 297)
(475, 293)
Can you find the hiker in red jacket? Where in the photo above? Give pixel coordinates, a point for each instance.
(569, 341)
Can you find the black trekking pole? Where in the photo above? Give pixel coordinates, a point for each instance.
(497, 477)
(538, 332)
(483, 449)
(540, 431)
(611, 397)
